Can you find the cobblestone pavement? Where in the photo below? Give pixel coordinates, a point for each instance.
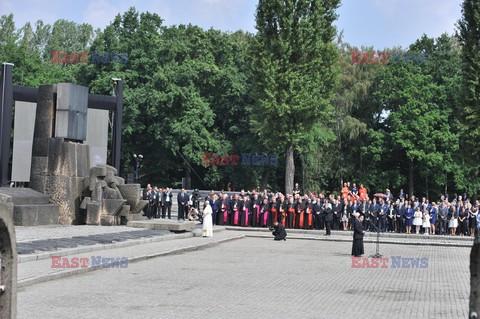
(259, 278)
(30, 247)
(24, 233)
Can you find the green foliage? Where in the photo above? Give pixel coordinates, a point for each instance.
(189, 91)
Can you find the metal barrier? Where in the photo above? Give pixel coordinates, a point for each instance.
(8, 272)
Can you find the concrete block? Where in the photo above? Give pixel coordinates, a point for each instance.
(93, 213)
(124, 211)
(24, 196)
(85, 202)
(39, 183)
(130, 192)
(39, 165)
(40, 147)
(140, 206)
(35, 215)
(112, 206)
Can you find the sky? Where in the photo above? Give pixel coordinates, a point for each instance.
(378, 23)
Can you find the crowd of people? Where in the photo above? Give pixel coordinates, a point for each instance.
(381, 212)
(159, 202)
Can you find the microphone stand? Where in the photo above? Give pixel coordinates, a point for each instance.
(377, 252)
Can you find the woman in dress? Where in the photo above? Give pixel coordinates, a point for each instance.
(345, 215)
(472, 219)
(417, 221)
(452, 219)
(391, 216)
(409, 212)
(433, 218)
(207, 220)
(426, 222)
(463, 221)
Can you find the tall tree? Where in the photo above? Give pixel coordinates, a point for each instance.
(469, 35)
(295, 72)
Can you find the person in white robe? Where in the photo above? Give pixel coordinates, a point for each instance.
(207, 220)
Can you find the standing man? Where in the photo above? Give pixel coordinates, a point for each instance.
(145, 196)
(382, 215)
(156, 201)
(168, 202)
(163, 198)
(336, 214)
(327, 212)
(357, 247)
(442, 218)
(182, 200)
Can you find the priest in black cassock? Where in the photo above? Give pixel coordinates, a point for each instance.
(357, 248)
(279, 231)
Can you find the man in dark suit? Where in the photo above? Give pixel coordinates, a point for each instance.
(145, 196)
(402, 205)
(337, 211)
(363, 209)
(156, 203)
(327, 212)
(182, 200)
(357, 247)
(374, 212)
(443, 219)
(167, 202)
(382, 215)
(317, 210)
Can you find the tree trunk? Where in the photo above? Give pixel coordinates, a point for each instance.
(475, 279)
(410, 178)
(188, 173)
(426, 185)
(289, 171)
(264, 182)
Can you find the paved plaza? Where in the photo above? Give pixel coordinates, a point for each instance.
(260, 278)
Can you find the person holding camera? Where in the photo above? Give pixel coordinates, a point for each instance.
(279, 231)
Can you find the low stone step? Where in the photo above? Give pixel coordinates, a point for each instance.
(24, 196)
(34, 215)
(164, 224)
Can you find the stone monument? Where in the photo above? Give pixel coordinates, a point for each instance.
(60, 160)
(109, 199)
(8, 269)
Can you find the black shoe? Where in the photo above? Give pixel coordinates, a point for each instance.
(284, 239)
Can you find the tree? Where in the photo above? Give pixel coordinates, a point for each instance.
(295, 72)
(469, 35)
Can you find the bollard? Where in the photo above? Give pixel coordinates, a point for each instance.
(8, 250)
